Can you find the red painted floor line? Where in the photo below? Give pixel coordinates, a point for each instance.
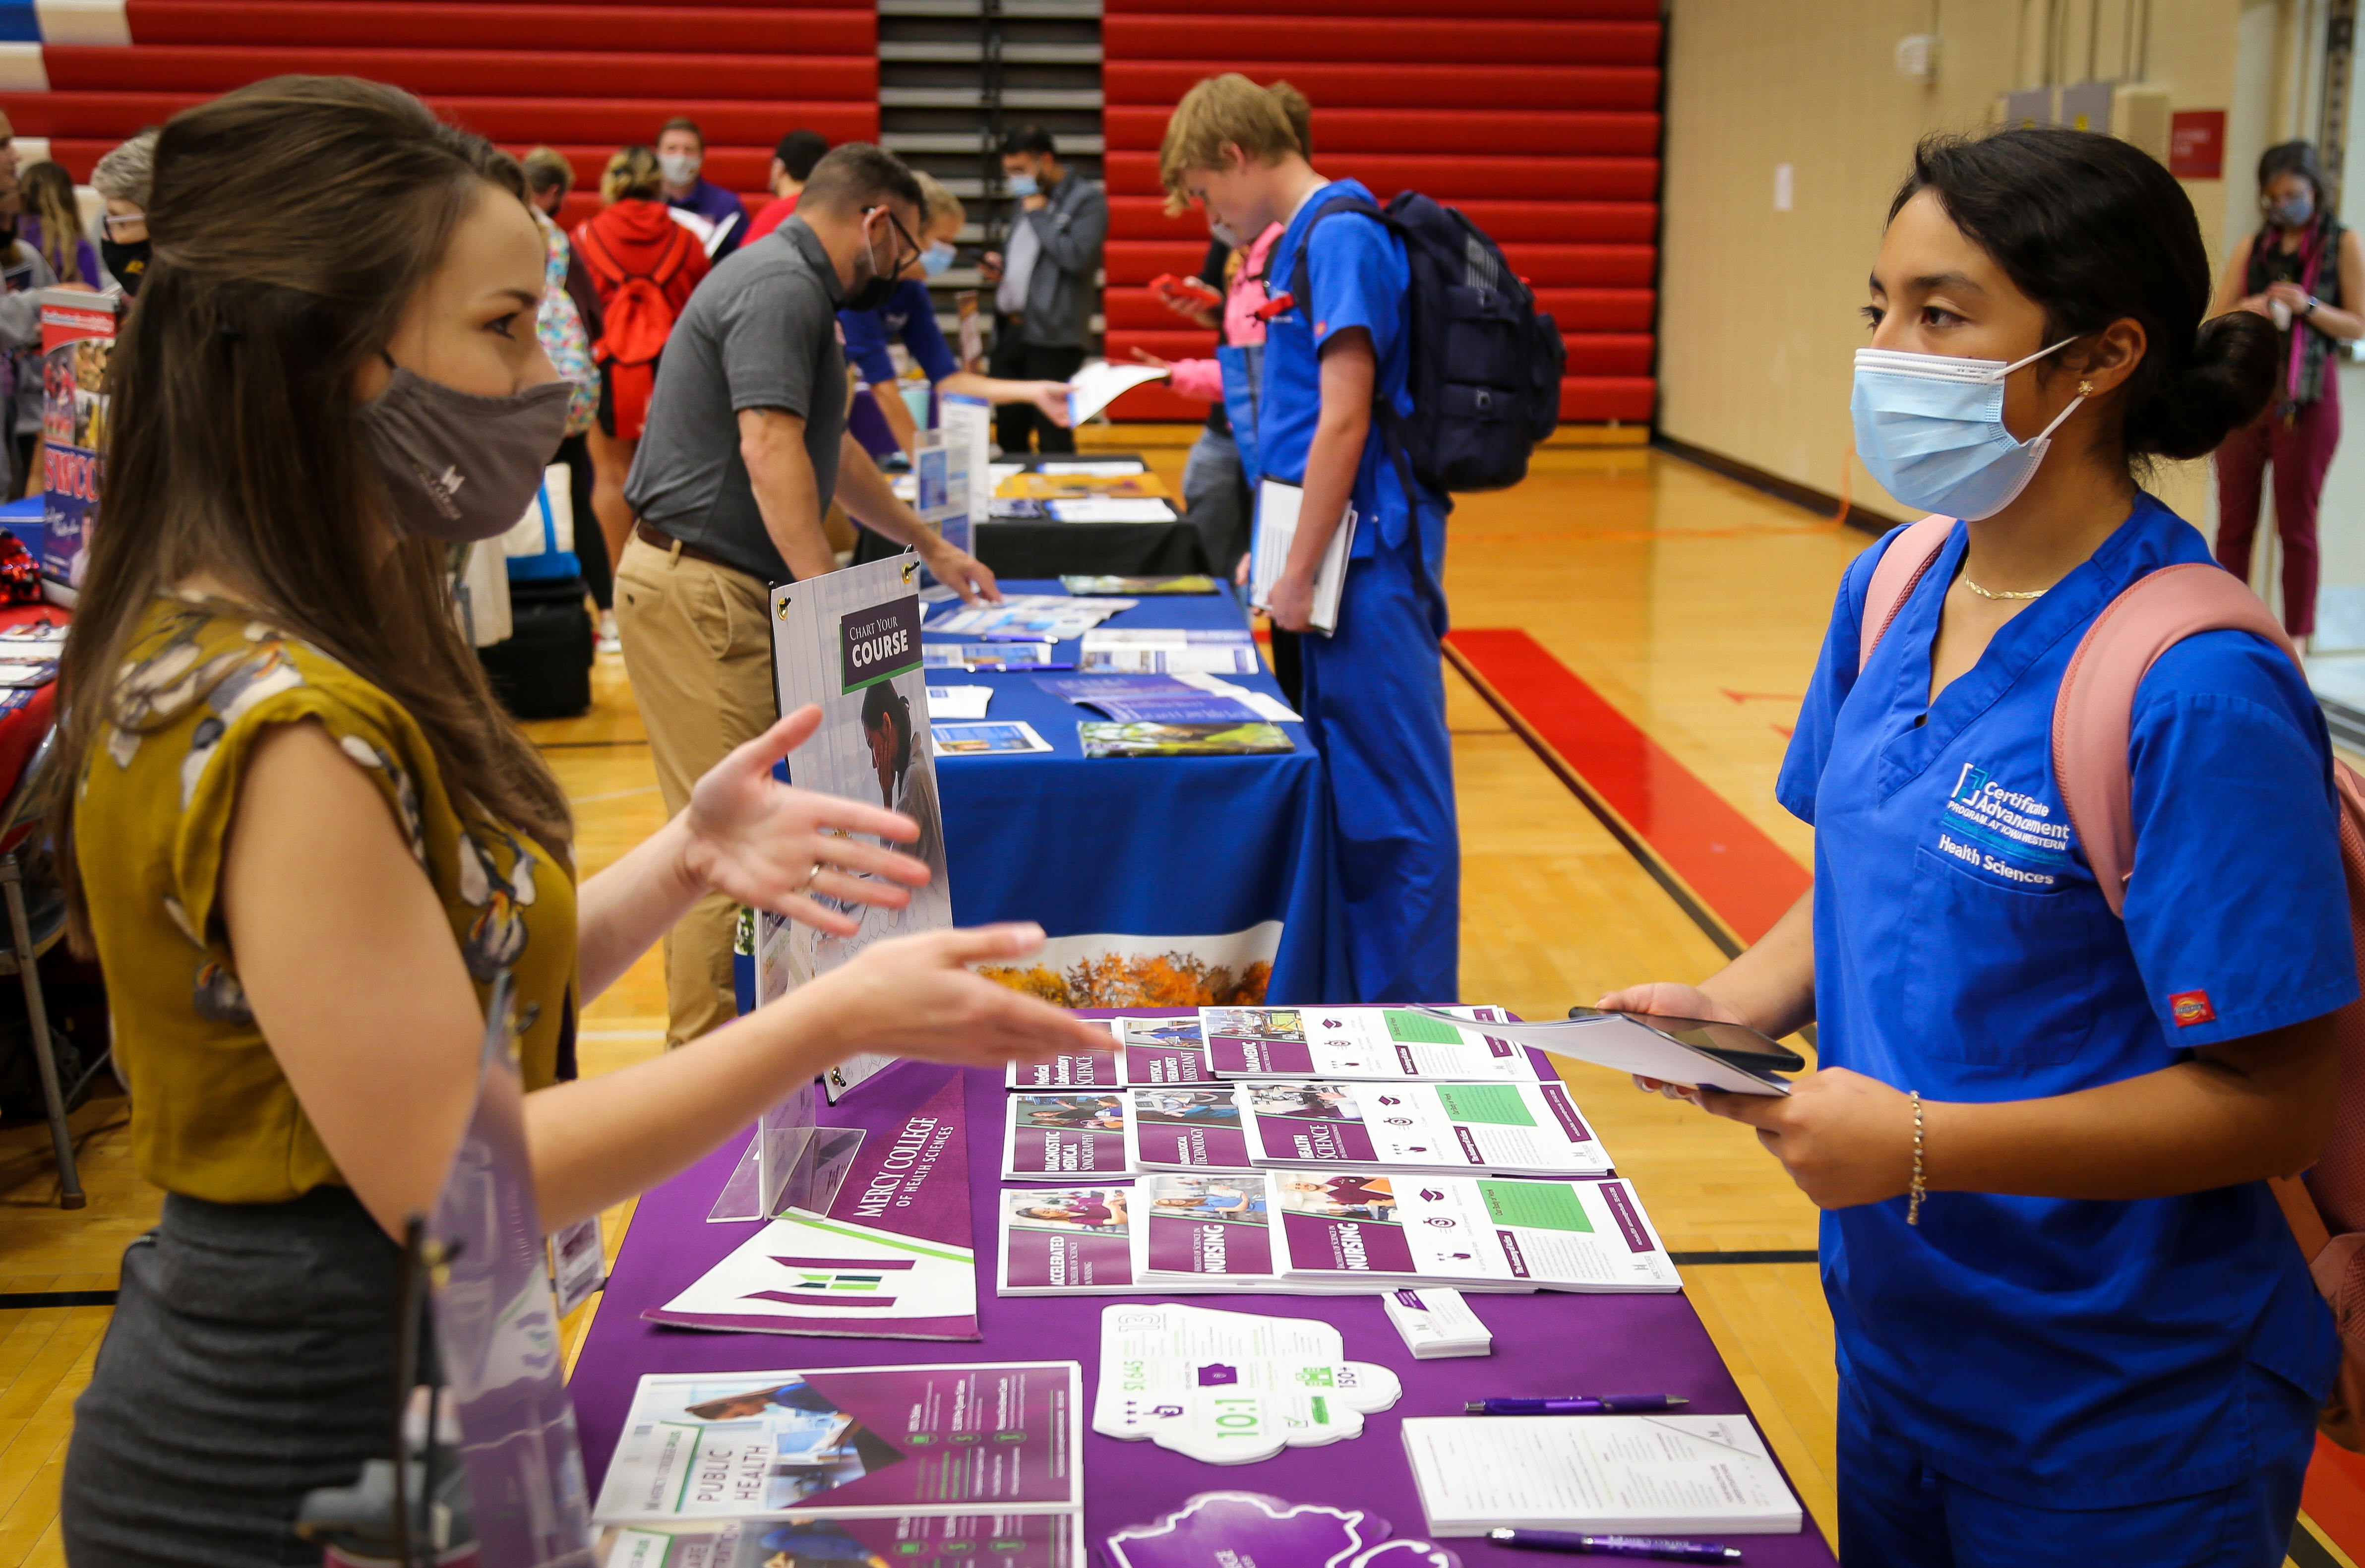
(1742, 876)
(2334, 1496)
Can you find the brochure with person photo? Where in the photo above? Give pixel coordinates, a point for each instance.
(957, 1540)
(1374, 1044)
(1074, 1239)
(1513, 1129)
(1157, 739)
(1187, 1128)
(850, 643)
(838, 1442)
(1069, 1136)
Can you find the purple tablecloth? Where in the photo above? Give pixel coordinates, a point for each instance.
(1546, 1343)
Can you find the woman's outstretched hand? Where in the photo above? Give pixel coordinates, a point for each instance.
(757, 840)
(916, 996)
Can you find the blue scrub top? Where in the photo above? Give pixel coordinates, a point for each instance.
(908, 314)
(1358, 277)
(2065, 1353)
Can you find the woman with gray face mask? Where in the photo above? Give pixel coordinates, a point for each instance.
(305, 842)
(2305, 273)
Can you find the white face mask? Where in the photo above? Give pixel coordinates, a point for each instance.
(680, 168)
(1930, 428)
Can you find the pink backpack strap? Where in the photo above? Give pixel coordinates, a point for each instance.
(1893, 576)
(2094, 715)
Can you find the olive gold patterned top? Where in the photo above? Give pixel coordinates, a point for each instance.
(213, 1116)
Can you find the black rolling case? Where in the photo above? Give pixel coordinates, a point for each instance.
(544, 671)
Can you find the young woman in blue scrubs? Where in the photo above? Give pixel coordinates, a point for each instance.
(2089, 1337)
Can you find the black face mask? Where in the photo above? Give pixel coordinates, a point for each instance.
(128, 265)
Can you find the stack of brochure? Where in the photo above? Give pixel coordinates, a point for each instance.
(1030, 618)
(1168, 1233)
(849, 1443)
(1140, 1051)
(993, 656)
(1377, 1044)
(1164, 649)
(1189, 698)
(1502, 1130)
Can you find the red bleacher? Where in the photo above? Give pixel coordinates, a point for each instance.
(1556, 157)
(583, 78)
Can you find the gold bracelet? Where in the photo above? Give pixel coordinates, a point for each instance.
(1915, 1193)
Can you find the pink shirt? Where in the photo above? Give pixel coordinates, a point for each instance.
(1204, 377)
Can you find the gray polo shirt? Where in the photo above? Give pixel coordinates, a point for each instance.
(761, 332)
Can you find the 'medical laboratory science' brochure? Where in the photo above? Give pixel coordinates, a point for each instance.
(1142, 1052)
(867, 1442)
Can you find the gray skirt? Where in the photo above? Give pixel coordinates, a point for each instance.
(250, 1361)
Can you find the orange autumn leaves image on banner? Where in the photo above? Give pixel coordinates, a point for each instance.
(1171, 978)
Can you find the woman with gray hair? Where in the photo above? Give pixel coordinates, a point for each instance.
(121, 179)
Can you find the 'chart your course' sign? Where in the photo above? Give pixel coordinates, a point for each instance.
(880, 642)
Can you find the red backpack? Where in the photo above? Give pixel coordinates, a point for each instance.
(2092, 718)
(637, 318)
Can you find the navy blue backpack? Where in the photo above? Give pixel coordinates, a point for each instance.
(1487, 365)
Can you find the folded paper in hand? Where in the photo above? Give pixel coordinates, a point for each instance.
(1098, 385)
(1613, 1041)
(1276, 532)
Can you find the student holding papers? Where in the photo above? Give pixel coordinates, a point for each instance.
(1372, 693)
(2072, 1327)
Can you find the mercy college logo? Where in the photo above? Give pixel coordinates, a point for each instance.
(2005, 833)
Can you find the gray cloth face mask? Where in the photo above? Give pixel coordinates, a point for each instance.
(459, 467)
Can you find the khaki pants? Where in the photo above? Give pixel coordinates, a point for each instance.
(698, 649)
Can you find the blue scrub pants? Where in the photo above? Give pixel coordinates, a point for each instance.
(1895, 1512)
(1373, 699)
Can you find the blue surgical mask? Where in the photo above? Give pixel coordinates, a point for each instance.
(1930, 428)
(1023, 186)
(936, 259)
(2291, 214)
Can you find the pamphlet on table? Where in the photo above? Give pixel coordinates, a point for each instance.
(984, 1540)
(989, 739)
(850, 641)
(1162, 650)
(850, 1442)
(959, 701)
(1380, 1044)
(1098, 467)
(1167, 1233)
(991, 656)
(892, 1257)
(1030, 618)
(1189, 697)
(1137, 739)
(1231, 1387)
(1436, 1323)
(1141, 1051)
(1511, 1129)
(1111, 509)
(1599, 1475)
(1188, 582)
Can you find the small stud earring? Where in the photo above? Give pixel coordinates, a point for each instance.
(2085, 388)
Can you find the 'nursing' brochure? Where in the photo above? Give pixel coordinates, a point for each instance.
(1374, 1044)
(877, 1443)
(1468, 1231)
(1524, 1129)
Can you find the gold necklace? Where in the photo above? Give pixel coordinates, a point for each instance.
(1992, 593)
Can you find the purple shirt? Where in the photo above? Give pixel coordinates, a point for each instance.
(714, 204)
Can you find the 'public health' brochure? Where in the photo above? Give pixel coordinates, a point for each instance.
(875, 1442)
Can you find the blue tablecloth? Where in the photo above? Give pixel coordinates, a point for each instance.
(1183, 847)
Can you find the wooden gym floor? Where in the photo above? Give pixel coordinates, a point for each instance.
(1689, 607)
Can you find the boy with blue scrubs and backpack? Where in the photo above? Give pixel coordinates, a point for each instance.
(1403, 359)
(1374, 694)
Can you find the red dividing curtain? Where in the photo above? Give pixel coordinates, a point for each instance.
(583, 78)
(1539, 119)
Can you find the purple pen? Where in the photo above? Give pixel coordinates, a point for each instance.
(1578, 1404)
(1651, 1546)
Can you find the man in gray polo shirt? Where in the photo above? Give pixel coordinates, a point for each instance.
(746, 445)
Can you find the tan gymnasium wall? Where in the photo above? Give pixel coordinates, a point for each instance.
(1758, 314)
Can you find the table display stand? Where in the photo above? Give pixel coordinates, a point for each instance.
(789, 1163)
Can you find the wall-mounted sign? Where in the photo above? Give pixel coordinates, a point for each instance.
(2196, 144)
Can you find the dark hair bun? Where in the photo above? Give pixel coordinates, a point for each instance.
(2222, 386)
